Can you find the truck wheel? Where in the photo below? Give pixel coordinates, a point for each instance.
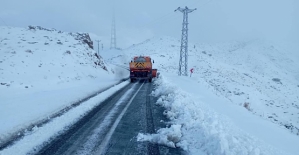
(132, 80)
(149, 80)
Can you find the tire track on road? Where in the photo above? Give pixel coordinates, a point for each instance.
(152, 149)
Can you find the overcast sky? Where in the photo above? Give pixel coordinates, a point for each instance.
(137, 20)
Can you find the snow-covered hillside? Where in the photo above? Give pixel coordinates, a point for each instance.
(39, 50)
(254, 73)
(43, 71)
(241, 99)
(250, 85)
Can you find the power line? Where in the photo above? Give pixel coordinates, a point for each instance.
(158, 19)
(165, 17)
(3, 22)
(171, 15)
(209, 1)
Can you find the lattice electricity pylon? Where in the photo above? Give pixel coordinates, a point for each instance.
(183, 64)
(113, 34)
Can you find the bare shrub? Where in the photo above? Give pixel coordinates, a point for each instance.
(31, 27)
(67, 52)
(277, 80)
(247, 106)
(29, 51)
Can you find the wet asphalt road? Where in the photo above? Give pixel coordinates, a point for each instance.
(113, 126)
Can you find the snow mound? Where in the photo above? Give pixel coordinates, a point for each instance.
(165, 136)
(197, 128)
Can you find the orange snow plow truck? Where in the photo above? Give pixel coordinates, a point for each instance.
(141, 68)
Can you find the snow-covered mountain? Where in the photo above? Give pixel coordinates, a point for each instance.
(241, 98)
(38, 49)
(256, 74)
(43, 71)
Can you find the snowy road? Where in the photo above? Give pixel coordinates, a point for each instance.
(112, 127)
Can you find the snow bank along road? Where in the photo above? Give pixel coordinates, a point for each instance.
(21, 133)
(112, 126)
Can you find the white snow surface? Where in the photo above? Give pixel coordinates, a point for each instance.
(263, 74)
(43, 71)
(32, 142)
(241, 99)
(205, 123)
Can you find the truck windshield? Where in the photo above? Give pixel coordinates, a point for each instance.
(140, 59)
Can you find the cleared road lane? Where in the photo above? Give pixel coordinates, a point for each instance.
(112, 127)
